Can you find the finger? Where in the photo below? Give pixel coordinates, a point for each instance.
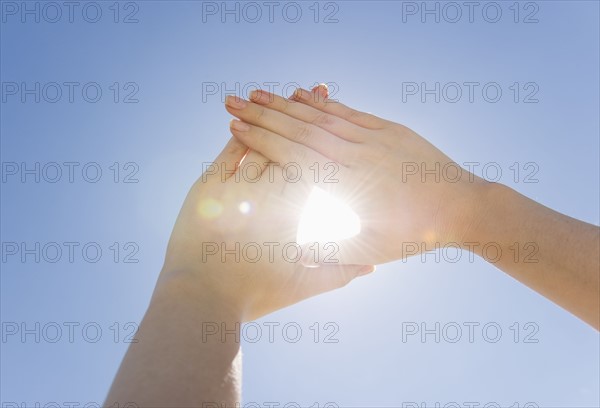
(227, 162)
(322, 90)
(325, 278)
(253, 162)
(294, 130)
(278, 149)
(340, 110)
(333, 124)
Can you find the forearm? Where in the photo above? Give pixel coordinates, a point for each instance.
(555, 255)
(175, 364)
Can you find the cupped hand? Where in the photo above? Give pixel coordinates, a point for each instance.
(409, 195)
(234, 239)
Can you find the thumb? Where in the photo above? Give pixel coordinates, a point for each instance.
(350, 251)
(325, 278)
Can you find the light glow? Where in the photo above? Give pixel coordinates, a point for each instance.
(326, 218)
(210, 208)
(244, 207)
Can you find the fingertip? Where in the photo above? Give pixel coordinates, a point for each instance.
(366, 269)
(322, 90)
(235, 102)
(261, 97)
(238, 125)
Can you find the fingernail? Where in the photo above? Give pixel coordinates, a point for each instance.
(259, 96)
(239, 125)
(235, 102)
(323, 90)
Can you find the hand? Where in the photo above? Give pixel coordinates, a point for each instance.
(404, 189)
(230, 239)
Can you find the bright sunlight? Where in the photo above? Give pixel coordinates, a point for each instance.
(326, 218)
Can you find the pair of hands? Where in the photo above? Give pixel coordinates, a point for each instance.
(234, 235)
(232, 256)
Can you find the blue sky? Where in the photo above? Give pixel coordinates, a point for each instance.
(165, 66)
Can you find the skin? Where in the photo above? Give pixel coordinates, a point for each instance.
(394, 179)
(187, 352)
(178, 362)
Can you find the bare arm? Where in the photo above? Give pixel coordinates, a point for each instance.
(187, 352)
(408, 191)
(555, 255)
(176, 361)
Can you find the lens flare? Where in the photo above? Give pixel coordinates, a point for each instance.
(210, 208)
(326, 218)
(244, 207)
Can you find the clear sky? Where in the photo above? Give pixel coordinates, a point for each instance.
(167, 64)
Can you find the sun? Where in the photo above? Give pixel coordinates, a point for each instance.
(326, 218)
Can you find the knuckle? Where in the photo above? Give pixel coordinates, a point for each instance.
(322, 120)
(259, 113)
(303, 134)
(285, 106)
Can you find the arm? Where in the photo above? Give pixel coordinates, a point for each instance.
(555, 255)
(175, 364)
(187, 352)
(386, 167)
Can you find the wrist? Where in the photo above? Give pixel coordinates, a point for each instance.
(186, 337)
(467, 209)
(187, 290)
(479, 212)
